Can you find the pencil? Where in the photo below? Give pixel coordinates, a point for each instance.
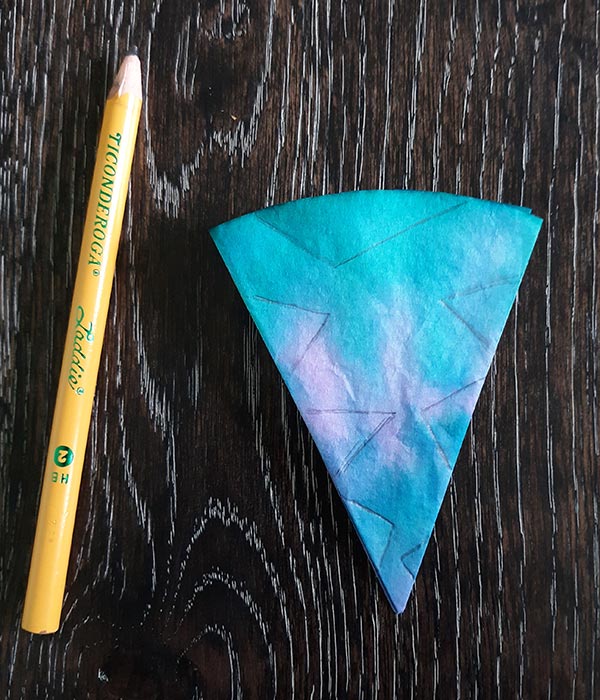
(83, 347)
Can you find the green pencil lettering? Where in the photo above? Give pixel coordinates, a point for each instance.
(83, 333)
(105, 201)
(96, 247)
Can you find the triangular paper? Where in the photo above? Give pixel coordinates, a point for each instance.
(382, 311)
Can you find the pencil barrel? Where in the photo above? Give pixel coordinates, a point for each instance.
(80, 363)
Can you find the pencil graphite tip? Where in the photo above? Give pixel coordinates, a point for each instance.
(132, 51)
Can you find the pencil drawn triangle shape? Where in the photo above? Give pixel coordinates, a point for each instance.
(382, 311)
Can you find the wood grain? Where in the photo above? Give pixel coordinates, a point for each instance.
(211, 556)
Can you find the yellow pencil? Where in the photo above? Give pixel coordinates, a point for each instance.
(83, 347)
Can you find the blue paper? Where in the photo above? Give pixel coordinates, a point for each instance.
(382, 310)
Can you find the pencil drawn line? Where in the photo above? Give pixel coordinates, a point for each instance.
(421, 222)
(290, 305)
(439, 446)
(318, 411)
(480, 337)
(454, 393)
(310, 344)
(509, 281)
(381, 517)
(300, 308)
(292, 240)
(357, 449)
(406, 554)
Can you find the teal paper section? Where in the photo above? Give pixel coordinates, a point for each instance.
(383, 310)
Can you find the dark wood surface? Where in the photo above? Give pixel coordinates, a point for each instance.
(211, 556)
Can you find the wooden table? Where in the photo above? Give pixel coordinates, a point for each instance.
(212, 557)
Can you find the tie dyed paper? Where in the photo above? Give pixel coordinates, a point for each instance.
(383, 310)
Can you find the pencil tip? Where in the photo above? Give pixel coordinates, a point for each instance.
(128, 78)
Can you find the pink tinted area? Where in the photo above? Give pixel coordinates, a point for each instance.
(322, 379)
